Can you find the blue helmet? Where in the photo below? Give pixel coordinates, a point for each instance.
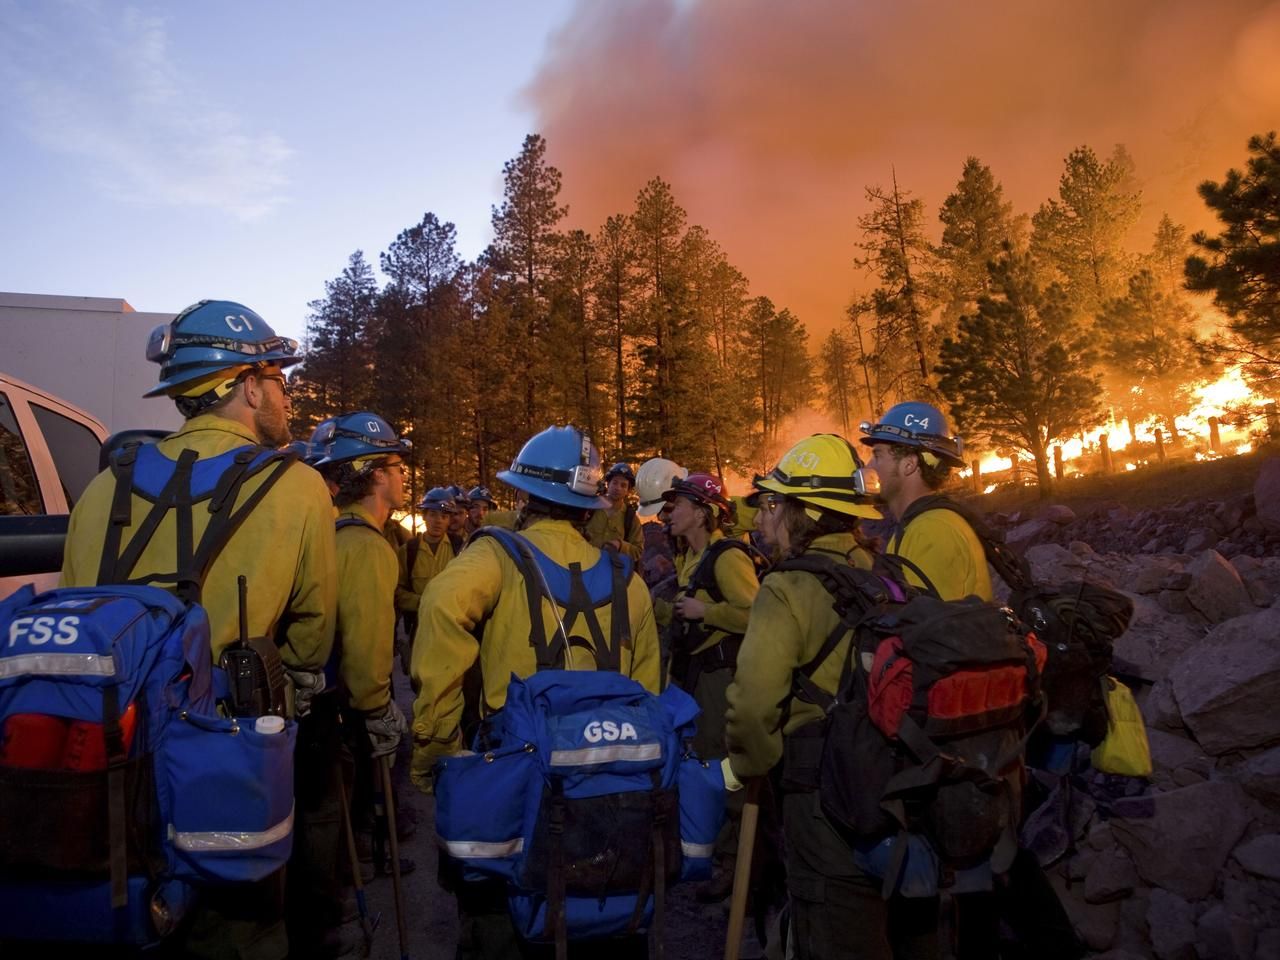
(621, 470)
(355, 435)
(439, 498)
(916, 424)
(559, 465)
(459, 495)
(213, 335)
(481, 494)
(306, 452)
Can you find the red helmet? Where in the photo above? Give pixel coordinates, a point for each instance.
(702, 488)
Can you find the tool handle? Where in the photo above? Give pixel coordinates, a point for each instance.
(742, 869)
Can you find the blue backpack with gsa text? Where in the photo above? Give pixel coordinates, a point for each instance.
(123, 790)
(585, 801)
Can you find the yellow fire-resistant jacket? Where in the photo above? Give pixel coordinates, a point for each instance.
(429, 562)
(735, 576)
(790, 619)
(484, 586)
(367, 575)
(610, 524)
(943, 545)
(285, 548)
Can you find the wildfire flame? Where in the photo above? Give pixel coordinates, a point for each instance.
(1218, 398)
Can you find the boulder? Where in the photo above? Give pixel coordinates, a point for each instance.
(1172, 924)
(1227, 686)
(1266, 494)
(1179, 840)
(1171, 754)
(1155, 638)
(1261, 578)
(1261, 856)
(1175, 602)
(1215, 938)
(1149, 577)
(1160, 708)
(1060, 514)
(1028, 532)
(1111, 876)
(1260, 776)
(1053, 563)
(1081, 549)
(1216, 590)
(1202, 538)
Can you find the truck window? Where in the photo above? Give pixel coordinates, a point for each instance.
(74, 448)
(19, 492)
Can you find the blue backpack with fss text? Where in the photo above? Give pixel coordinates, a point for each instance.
(585, 801)
(122, 788)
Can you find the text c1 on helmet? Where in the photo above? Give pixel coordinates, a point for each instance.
(482, 495)
(440, 499)
(559, 465)
(213, 335)
(653, 479)
(704, 489)
(824, 471)
(353, 436)
(916, 424)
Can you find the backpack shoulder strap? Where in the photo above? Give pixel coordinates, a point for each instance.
(343, 522)
(1011, 566)
(704, 576)
(521, 553)
(628, 520)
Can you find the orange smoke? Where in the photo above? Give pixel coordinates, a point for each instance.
(768, 119)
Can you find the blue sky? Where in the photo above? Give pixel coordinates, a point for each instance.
(164, 152)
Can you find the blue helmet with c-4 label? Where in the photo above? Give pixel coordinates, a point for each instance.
(916, 424)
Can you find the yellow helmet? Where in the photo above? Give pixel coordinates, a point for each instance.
(824, 470)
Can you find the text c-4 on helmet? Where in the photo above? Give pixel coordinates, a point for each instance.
(356, 436)
(653, 479)
(916, 424)
(559, 465)
(704, 489)
(824, 471)
(210, 336)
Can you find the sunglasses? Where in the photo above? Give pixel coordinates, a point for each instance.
(278, 378)
(772, 501)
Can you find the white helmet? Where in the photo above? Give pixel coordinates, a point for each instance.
(653, 479)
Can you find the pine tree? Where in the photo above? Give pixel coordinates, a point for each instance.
(895, 249)
(838, 377)
(616, 285)
(1020, 369)
(1241, 265)
(1079, 237)
(1167, 259)
(1144, 336)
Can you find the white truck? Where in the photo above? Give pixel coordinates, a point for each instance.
(49, 451)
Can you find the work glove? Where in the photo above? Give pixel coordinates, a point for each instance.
(307, 685)
(426, 752)
(384, 728)
(731, 781)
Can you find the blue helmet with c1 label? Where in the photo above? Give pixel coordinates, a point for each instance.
(353, 436)
(916, 424)
(559, 465)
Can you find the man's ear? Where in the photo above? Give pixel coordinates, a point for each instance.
(251, 391)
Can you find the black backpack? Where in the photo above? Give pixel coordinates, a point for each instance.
(686, 636)
(1078, 622)
(926, 732)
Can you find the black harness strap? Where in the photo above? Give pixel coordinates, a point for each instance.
(174, 493)
(117, 827)
(580, 605)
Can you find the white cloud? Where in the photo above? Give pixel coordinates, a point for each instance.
(99, 83)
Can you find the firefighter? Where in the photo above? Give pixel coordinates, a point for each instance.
(479, 504)
(484, 591)
(653, 479)
(618, 524)
(426, 554)
(913, 452)
(811, 504)
(223, 366)
(717, 584)
(458, 519)
(363, 458)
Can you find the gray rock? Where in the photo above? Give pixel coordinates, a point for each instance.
(1028, 532)
(1080, 549)
(1176, 580)
(1160, 708)
(1261, 856)
(1202, 538)
(1216, 589)
(1100, 836)
(1060, 514)
(1228, 686)
(1173, 758)
(1261, 578)
(1266, 494)
(1179, 840)
(1051, 562)
(1260, 776)
(1172, 924)
(1175, 602)
(1214, 940)
(1149, 578)
(1155, 640)
(1111, 876)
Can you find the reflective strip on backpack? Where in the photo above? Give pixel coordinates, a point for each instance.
(228, 841)
(585, 756)
(697, 851)
(484, 849)
(58, 665)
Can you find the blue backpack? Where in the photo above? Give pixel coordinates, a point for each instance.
(585, 801)
(123, 790)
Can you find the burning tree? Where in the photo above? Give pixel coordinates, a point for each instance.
(1020, 370)
(1241, 265)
